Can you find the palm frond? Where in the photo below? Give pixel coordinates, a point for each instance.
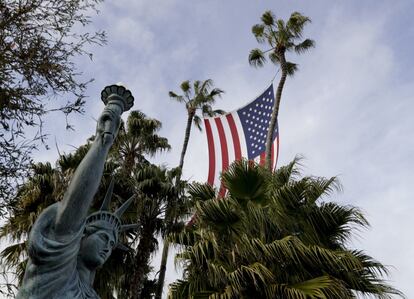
(319, 187)
(313, 288)
(304, 46)
(285, 174)
(282, 32)
(268, 18)
(256, 58)
(215, 92)
(176, 97)
(185, 86)
(219, 112)
(218, 213)
(12, 255)
(296, 23)
(196, 86)
(202, 192)
(207, 110)
(258, 32)
(274, 57)
(244, 181)
(291, 68)
(197, 122)
(206, 85)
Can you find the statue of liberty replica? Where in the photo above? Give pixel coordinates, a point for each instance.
(66, 246)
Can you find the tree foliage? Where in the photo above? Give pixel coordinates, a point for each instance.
(272, 236)
(281, 37)
(38, 43)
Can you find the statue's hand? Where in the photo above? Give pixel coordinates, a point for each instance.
(108, 125)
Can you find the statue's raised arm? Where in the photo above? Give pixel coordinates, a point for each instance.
(66, 246)
(85, 182)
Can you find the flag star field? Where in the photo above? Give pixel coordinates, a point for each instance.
(255, 118)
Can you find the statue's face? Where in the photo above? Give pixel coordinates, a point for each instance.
(97, 247)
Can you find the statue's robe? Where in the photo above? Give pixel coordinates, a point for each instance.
(51, 272)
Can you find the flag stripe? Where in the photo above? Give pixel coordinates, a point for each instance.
(229, 139)
(235, 136)
(211, 154)
(224, 152)
(240, 131)
(223, 144)
(262, 158)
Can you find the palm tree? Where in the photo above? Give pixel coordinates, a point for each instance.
(138, 138)
(39, 192)
(273, 237)
(198, 97)
(156, 188)
(282, 37)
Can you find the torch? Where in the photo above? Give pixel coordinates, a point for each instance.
(117, 99)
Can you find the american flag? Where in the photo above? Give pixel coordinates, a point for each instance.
(240, 134)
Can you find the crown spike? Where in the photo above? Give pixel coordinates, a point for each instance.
(124, 206)
(129, 227)
(108, 196)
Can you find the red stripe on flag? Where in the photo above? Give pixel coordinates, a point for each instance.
(211, 154)
(223, 144)
(262, 158)
(224, 152)
(235, 136)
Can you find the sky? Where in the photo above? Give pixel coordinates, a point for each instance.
(347, 111)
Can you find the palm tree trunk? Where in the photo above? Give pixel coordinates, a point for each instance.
(190, 117)
(141, 262)
(275, 112)
(165, 249)
(163, 268)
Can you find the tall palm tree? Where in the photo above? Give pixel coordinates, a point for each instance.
(273, 237)
(197, 97)
(281, 37)
(156, 188)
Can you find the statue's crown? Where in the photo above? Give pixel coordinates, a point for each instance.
(112, 219)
